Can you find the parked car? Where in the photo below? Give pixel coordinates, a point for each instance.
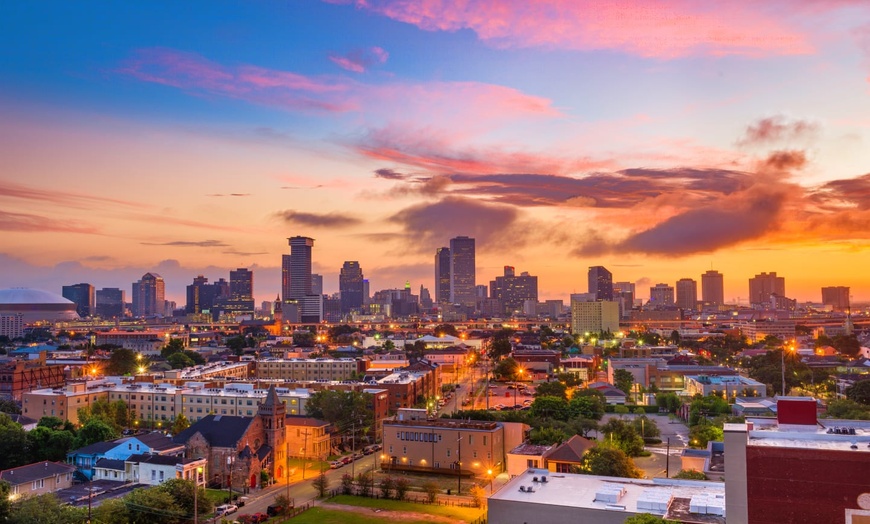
(335, 464)
(347, 460)
(259, 517)
(274, 509)
(358, 455)
(225, 509)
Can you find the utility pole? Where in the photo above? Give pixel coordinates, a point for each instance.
(668, 460)
(353, 449)
(459, 464)
(304, 452)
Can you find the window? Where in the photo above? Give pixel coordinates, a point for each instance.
(531, 463)
(448, 453)
(474, 454)
(38, 484)
(484, 440)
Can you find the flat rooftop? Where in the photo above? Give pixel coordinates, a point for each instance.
(670, 498)
(716, 380)
(828, 434)
(444, 424)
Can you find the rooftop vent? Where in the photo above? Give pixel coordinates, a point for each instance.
(609, 493)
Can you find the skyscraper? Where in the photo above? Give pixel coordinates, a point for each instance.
(111, 302)
(661, 295)
(763, 285)
(462, 271)
(513, 291)
(241, 298)
(350, 285)
(200, 296)
(687, 294)
(296, 269)
(712, 288)
(316, 284)
(149, 296)
(84, 298)
(835, 296)
(442, 275)
(601, 283)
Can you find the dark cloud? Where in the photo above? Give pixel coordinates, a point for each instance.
(333, 220)
(777, 129)
(785, 161)
(844, 193)
(389, 174)
(244, 253)
(433, 224)
(188, 243)
(39, 224)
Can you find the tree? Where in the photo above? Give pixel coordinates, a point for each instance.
(179, 361)
(646, 427)
(431, 489)
(148, 505)
(506, 368)
(701, 434)
(478, 495)
(55, 423)
(690, 474)
(48, 444)
(111, 511)
(570, 380)
(500, 348)
(285, 502)
(179, 424)
(848, 409)
(675, 337)
(401, 486)
(115, 414)
(860, 392)
(847, 345)
(175, 345)
(9, 406)
(122, 362)
(552, 389)
(648, 518)
(182, 492)
(5, 504)
(347, 484)
(608, 461)
(94, 431)
(345, 409)
(549, 407)
(13, 443)
(623, 380)
(707, 407)
(365, 482)
(586, 406)
(446, 329)
(669, 402)
(547, 436)
(237, 344)
(321, 484)
(623, 436)
(386, 486)
(45, 508)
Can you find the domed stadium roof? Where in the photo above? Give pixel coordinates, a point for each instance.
(22, 295)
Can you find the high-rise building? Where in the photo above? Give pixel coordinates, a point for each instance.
(149, 296)
(200, 296)
(296, 269)
(481, 291)
(462, 271)
(513, 291)
(763, 285)
(442, 274)
(84, 298)
(425, 298)
(835, 296)
(623, 292)
(712, 288)
(661, 295)
(316, 284)
(241, 297)
(687, 294)
(601, 283)
(367, 294)
(350, 286)
(111, 302)
(594, 317)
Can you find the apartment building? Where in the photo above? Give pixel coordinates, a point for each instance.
(310, 368)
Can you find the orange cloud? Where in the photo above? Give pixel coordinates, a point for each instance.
(651, 28)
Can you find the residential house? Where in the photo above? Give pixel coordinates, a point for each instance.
(569, 454)
(85, 459)
(307, 437)
(37, 479)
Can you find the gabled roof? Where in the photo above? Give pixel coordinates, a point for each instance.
(296, 420)
(31, 472)
(94, 449)
(155, 459)
(222, 431)
(157, 441)
(572, 450)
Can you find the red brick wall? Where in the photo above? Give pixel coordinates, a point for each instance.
(804, 485)
(796, 412)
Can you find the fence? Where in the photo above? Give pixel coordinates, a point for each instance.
(298, 510)
(412, 498)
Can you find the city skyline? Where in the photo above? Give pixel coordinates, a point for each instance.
(658, 143)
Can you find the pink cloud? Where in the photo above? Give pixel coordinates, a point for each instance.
(457, 102)
(652, 28)
(360, 60)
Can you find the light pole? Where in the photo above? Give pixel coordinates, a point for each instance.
(459, 464)
(489, 473)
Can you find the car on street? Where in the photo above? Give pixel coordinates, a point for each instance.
(225, 509)
(335, 464)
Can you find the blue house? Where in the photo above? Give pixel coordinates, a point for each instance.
(84, 459)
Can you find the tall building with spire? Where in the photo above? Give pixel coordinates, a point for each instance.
(462, 271)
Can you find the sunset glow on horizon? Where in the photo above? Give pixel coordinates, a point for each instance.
(657, 138)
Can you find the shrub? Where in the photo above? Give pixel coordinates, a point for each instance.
(386, 486)
(401, 486)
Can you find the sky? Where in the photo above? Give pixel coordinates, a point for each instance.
(658, 138)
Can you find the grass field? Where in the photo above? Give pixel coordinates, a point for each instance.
(459, 513)
(329, 516)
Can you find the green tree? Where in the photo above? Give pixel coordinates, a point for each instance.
(44, 509)
(122, 362)
(181, 492)
(179, 361)
(500, 348)
(5, 504)
(546, 436)
(446, 329)
(586, 406)
(622, 435)
(552, 389)
(237, 344)
(690, 474)
(179, 424)
(48, 444)
(432, 490)
(478, 496)
(13, 443)
(175, 345)
(111, 511)
(668, 401)
(549, 408)
(321, 484)
(623, 380)
(608, 461)
(646, 427)
(149, 505)
(648, 518)
(345, 409)
(703, 408)
(94, 431)
(386, 486)
(847, 345)
(571, 380)
(506, 369)
(848, 409)
(860, 392)
(701, 434)
(114, 413)
(401, 486)
(9, 406)
(55, 423)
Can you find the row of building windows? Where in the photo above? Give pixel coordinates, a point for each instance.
(418, 436)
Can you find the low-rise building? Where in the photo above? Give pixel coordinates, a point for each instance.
(311, 368)
(85, 459)
(453, 447)
(569, 454)
(37, 479)
(536, 495)
(307, 437)
(726, 386)
(526, 456)
(20, 376)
